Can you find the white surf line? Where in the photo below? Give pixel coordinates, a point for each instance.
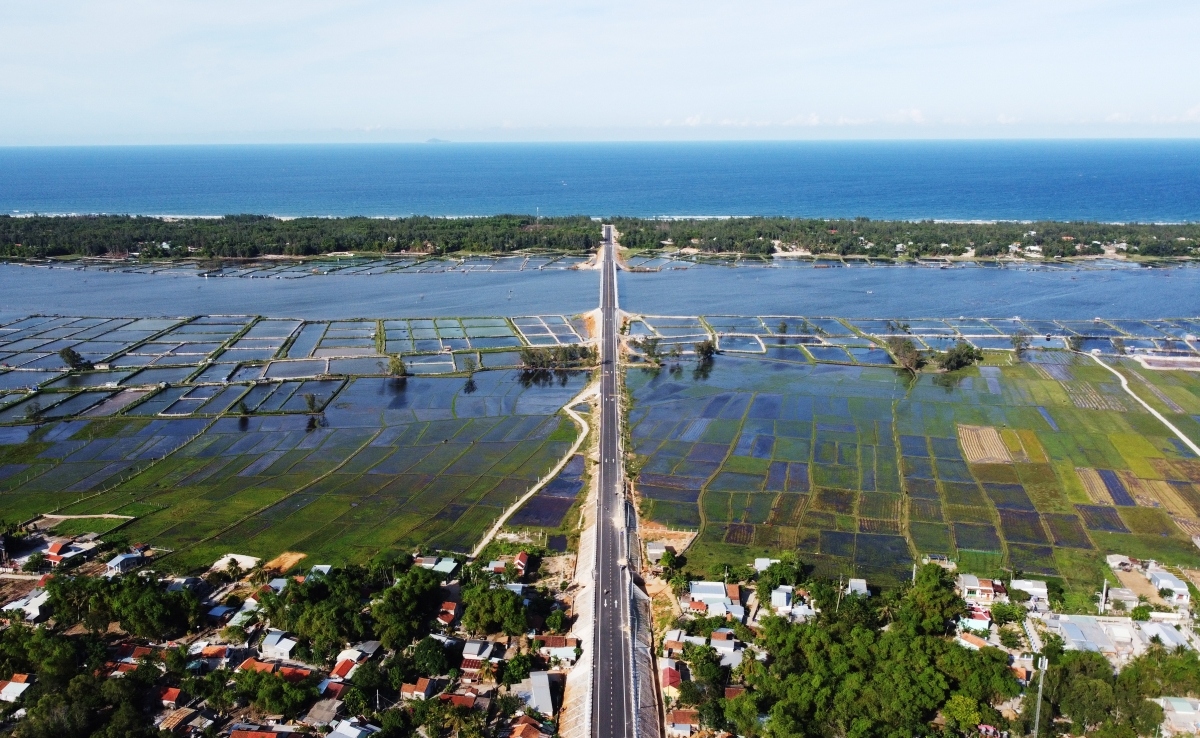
(1125, 386)
(584, 430)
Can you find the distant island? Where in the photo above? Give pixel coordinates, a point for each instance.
(251, 236)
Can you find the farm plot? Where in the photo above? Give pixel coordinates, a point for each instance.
(997, 465)
(387, 465)
(341, 467)
(549, 507)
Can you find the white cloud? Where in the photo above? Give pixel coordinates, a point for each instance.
(217, 70)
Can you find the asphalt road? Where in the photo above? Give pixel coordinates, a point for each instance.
(613, 711)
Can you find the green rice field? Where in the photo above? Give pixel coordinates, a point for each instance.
(237, 434)
(1042, 465)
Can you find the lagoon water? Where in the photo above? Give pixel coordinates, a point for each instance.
(889, 292)
(962, 180)
(1096, 180)
(912, 292)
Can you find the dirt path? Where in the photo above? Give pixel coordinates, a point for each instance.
(584, 431)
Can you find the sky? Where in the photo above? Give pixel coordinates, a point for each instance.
(214, 71)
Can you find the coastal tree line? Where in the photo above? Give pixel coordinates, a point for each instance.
(248, 236)
(862, 236)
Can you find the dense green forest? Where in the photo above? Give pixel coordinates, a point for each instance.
(926, 237)
(249, 236)
(254, 235)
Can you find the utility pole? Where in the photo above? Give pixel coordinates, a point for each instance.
(1037, 716)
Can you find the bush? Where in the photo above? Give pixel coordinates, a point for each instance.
(429, 658)
(961, 356)
(1003, 614)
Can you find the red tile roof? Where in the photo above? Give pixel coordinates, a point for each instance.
(684, 717)
(556, 641)
(421, 687)
(335, 689)
(731, 692)
(293, 674)
(342, 669)
(169, 694)
(671, 677)
(252, 664)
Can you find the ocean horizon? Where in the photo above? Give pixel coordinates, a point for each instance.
(989, 180)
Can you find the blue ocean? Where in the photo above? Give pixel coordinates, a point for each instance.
(1149, 181)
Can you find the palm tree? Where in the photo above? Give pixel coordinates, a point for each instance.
(487, 672)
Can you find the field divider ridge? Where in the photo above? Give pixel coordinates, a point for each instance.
(584, 430)
(1162, 418)
(288, 496)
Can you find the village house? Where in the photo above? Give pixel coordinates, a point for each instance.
(655, 551)
(31, 608)
(1178, 595)
(352, 728)
(276, 645)
(716, 599)
(1181, 715)
(540, 697)
(323, 712)
(1035, 588)
(976, 620)
(60, 551)
(973, 589)
(971, 641)
(11, 689)
(857, 587)
(671, 673)
(448, 614)
(422, 690)
(761, 565)
(170, 697)
(122, 563)
(562, 648)
(682, 723)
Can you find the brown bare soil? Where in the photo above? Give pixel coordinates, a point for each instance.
(983, 445)
(1140, 586)
(1094, 486)
(284, 561)
(11, 589)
